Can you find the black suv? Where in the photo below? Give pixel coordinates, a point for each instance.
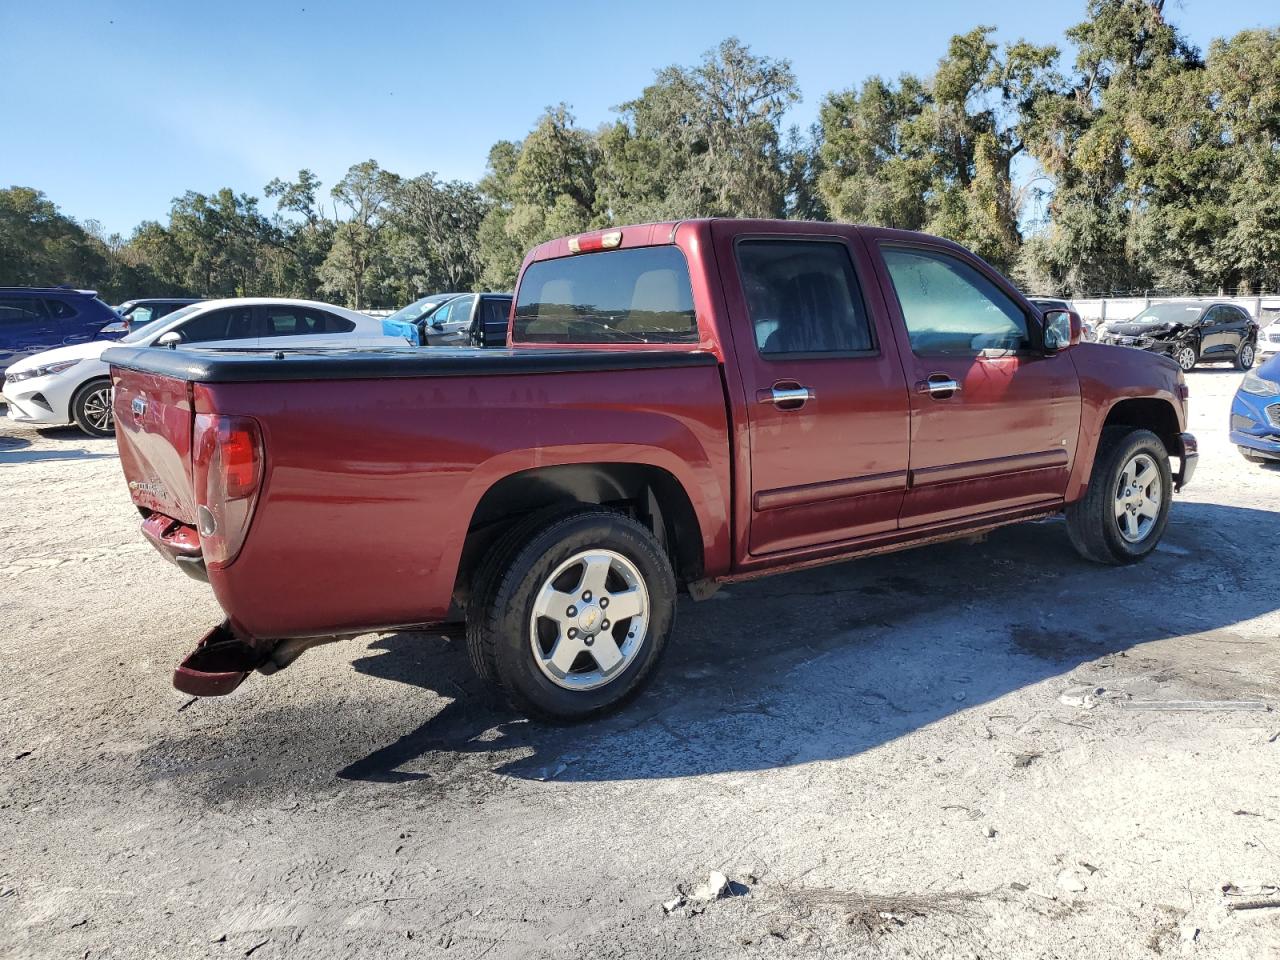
(1190, 333)
(35, 319)
(468, 320)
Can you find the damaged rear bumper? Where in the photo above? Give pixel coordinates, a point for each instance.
(177, 542)
(221, 661)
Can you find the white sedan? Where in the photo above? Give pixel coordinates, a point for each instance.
(73, 385)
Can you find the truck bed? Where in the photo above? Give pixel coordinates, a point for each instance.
(377, 462)
(262, 365)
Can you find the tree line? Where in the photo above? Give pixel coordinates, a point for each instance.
(1143, 164)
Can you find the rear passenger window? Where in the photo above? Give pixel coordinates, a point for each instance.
(233, 323)
(60, 309)
(288, 321)
(803, 297)
(640, 295)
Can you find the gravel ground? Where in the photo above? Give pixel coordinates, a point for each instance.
(962, 751)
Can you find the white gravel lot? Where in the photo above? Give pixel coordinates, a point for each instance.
(889, 758)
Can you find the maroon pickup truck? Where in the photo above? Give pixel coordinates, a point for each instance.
(681, 405)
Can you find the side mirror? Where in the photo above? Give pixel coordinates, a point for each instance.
(170, 339)
(1061, 330)
(117, 329)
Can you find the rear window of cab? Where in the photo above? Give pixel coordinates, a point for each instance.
(637, 295)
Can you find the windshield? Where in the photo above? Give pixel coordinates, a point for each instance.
(147, 329)
(421, 309)
(1185, 313)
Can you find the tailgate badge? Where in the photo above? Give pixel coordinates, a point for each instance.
(139, 406)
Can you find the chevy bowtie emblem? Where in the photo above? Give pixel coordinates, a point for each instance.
(139, 406)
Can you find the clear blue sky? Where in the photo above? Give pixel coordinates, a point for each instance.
(114, 108)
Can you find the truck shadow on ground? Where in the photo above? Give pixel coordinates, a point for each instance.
(828, 663)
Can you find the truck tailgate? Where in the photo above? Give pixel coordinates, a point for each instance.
(153, 431)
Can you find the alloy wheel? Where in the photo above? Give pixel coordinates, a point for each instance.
(1186, 358)
(589, 621)
(97, 409)
(1138, 498)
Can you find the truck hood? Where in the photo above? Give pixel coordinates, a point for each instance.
(77, 351)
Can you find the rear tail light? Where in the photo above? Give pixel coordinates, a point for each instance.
(228, 475)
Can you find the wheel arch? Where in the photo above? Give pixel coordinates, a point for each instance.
(649, 493)
(80, 389)
(1148, 413)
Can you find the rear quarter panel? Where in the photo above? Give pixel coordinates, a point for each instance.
(371, 484)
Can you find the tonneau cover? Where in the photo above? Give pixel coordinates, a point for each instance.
(196, 365)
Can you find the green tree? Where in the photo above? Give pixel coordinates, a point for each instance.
(939, 154)
(541, 188)
(302, 235)
(702, 141)
(437, 224)
(41, 247)
(1134, 76)
(356, 260)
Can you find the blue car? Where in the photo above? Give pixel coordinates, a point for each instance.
(35, 319)
(1255, 413)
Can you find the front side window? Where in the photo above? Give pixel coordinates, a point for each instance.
(639, 295)
(140, 315)
(456, 311)
(950, 308)
(803, 297)
(231, 323)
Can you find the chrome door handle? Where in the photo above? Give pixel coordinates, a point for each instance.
(777, 395)
(938, 386)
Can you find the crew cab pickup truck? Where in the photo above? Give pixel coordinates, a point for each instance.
(680, 405)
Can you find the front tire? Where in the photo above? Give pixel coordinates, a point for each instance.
(576, 618)
(1185, 356)
(91, 408)
(1246, 356)
(1125, 509)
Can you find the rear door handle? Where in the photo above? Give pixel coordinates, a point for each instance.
(788, 398)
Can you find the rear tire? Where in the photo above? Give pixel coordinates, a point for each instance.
(1125, 509)
(91, 408)
(1246, 356)
(538, 621)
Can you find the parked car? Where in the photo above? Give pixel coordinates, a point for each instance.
(1087, 327)
(35, 319)
(406, 322)
(72, 384)
(683, 405)
(1190, 333)
(137, 312)
(1269, 340)
(457, 320)
(1255, 414)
